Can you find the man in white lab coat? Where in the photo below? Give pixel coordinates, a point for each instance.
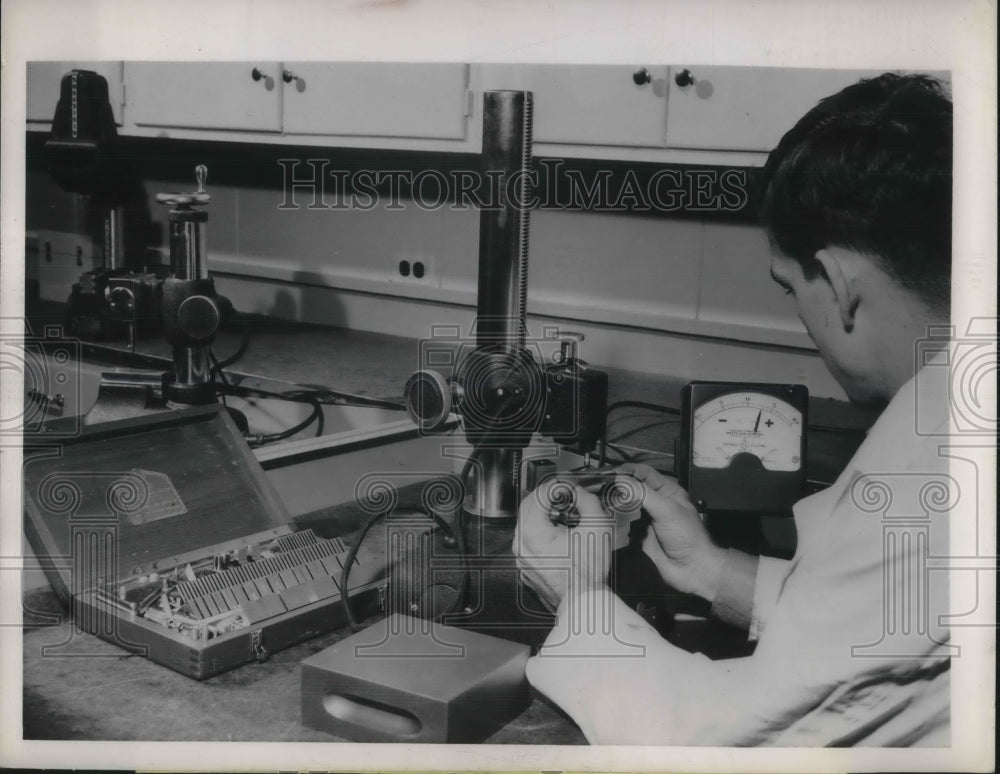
(850, 647)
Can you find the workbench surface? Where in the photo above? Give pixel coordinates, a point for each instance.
(92, 690)
(96, 691)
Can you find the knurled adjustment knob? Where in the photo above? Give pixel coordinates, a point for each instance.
(198, 317)
(189, 198)
(428, 398)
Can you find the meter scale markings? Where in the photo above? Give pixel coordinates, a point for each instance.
(761, 425)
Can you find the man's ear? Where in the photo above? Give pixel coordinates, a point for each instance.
(840, 272)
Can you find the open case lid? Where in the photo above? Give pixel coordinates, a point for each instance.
(158, 486)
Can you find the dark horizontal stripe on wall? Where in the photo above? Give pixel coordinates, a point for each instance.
(357, 176)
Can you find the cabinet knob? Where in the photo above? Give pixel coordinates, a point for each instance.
(259, 75)
(641, 77)
(289, 77)
(684, 78)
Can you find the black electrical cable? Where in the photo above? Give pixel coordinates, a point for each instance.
(838, 430)
(240, 351)
(306, 392)
(315, 416)
(311, 396)
(620, 452)
(455, 531)
(641, 456)
(217, 370)
(335, 397)
(352, 555)
(641, 428)
(643, 405)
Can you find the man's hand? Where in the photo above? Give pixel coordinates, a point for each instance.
(556, 560)
(677, 542)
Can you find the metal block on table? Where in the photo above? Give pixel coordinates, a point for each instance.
(410, 680)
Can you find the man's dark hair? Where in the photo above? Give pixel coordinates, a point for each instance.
(869, 168)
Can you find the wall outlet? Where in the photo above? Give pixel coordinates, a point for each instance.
(414, 268)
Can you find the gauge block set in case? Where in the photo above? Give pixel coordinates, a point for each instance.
(163, 536)
(742, 446)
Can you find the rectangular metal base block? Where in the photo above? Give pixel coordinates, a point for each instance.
(409, 680)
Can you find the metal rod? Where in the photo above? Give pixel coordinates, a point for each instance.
(191, 365)
(188, 244)
(112, 239)
(493, 495)
(503, 229)
(503, 272)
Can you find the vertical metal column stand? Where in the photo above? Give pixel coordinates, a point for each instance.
(503, 278)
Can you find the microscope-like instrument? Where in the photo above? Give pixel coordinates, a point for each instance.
(83, 157)
(503, 391)
(192, 310)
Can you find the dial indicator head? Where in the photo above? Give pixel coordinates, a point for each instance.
(747, 422)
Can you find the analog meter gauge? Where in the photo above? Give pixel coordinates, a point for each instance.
(742, 446)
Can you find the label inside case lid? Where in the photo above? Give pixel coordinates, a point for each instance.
(171, 484)
(162, 499)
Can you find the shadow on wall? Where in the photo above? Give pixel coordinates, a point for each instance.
(317, 303)
(306, 298)
(284, 307)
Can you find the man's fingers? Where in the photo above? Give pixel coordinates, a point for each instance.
(555, 494)
(535, 513)
(667, 504)
(535, 531)
(542, 590)
(591, 509)
(643, 472)
(625, 495)
(671, 490)
(652, 548)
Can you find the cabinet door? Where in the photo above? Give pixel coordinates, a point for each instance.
(745, 108)
(376, 99)
(44, 79)
(589, 104)
(243, 96)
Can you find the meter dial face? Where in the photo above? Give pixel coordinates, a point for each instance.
(747, 422)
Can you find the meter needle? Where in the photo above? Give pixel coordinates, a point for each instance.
(757, 423)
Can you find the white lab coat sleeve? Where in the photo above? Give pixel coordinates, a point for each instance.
(749, 591)
(623, 684)
(733, 603)
(771, 574)
(840, 660)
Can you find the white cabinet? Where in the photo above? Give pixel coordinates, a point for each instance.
(362, 104)
(238, 96)
(601, 105)
(715, 115)
(44, 79)
(744, 108)
(376, 99)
